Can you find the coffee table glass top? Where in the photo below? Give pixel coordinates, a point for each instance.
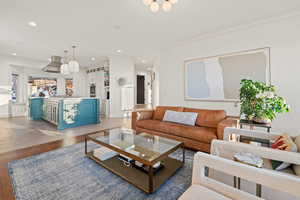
(145, 146)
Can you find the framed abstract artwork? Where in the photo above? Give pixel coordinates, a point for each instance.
(217, 78)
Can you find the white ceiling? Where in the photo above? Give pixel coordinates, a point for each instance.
(100, 27)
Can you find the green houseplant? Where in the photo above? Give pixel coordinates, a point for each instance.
(259, 101)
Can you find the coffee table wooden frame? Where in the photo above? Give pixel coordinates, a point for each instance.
(135, 176)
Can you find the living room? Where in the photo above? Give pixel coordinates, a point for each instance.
(149, 99)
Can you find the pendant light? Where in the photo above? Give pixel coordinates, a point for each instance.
(73, 64)
(148, 2)
(167, 6)
(155, 5)
(64, 68)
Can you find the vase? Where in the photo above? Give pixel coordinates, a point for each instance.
(261, 120)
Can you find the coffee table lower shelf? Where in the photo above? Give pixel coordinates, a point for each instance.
(137, 177)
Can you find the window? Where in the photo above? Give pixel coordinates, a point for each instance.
(42, 87)
(69, 87)
(14, 89)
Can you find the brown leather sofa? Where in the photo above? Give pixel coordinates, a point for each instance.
(209, 125)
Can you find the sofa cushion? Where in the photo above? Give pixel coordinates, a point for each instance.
(186, 118)
(208, 118)
(201, 134)
(160, 111)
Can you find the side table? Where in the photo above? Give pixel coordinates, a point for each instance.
(252, 125)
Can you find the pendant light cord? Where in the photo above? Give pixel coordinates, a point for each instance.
(73, 52)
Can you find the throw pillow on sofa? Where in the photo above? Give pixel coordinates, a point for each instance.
(186, 118)
(285, 143)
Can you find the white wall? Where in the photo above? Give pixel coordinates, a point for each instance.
(120, 67)
(5, 87)
(282, 35)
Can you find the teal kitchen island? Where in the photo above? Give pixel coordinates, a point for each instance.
(65, 112)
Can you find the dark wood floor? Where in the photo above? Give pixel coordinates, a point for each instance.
(6, 189)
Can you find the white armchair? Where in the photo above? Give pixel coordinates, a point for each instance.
(205, 188)
(228, 148)
(264, 152)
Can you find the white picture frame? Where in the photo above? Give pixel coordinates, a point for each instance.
(217, 78)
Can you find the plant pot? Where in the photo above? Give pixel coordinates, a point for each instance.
(261, 120)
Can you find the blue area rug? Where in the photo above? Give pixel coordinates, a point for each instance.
(66, 174)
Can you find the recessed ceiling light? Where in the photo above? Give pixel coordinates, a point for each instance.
(119, 51)
(144, 61)
(14, 54)
(149, 68)
(93, 58)
(32, 24)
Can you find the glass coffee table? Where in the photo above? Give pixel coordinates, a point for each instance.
(149, 164)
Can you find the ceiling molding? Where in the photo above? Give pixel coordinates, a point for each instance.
(211, 35)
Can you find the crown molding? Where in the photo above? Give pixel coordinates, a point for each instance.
(233, 29)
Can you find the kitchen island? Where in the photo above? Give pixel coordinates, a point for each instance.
(65, 112)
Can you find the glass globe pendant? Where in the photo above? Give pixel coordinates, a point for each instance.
(147, 2)
(173, 1)
(167, 6)
(73, 64)
(64, 68)
(154, 7)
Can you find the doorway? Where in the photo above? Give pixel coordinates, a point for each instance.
(140, 92)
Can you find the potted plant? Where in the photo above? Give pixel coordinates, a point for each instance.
(259, 101)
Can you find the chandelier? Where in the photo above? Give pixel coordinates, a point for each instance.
(154, 5)
(69, 67)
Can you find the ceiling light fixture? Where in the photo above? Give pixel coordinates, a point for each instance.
(73, 64)
(32, 24)
(155, 6)
(119, 51)
(14, 54)
(93, 58)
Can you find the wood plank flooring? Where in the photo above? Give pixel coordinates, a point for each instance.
(6, 189)
(15, 132)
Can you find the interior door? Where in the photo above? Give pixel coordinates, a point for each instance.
(140, 94)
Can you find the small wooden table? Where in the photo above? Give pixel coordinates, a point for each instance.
(252, 125)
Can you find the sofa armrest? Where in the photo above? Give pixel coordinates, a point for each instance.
(140, 115)
(228, 122)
